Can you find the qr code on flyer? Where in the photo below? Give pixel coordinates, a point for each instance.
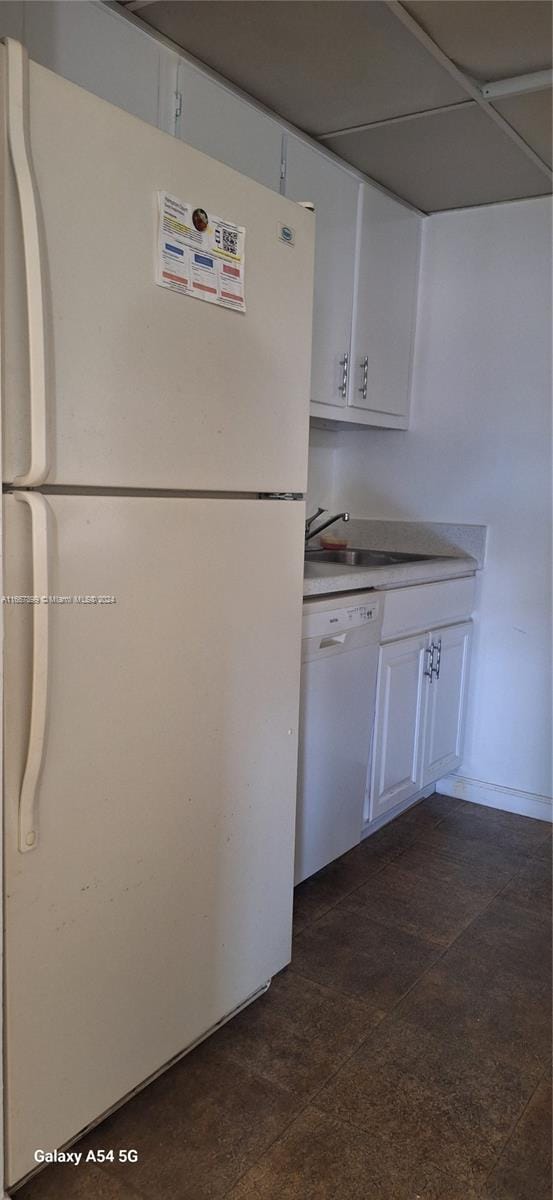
(230, 241)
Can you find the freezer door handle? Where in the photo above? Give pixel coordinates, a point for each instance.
(20, 152)
(28, 797)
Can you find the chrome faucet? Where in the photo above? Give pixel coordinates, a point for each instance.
(309, 533)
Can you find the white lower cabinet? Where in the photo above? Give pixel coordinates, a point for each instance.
(396, 746)
(445, 702)
(420, 710)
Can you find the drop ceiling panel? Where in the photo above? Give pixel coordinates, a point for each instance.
(322, 66)
(530, 115)
(489, 39)
(444, 160)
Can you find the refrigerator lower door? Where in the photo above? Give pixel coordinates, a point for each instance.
(156, 896)
(145, 387)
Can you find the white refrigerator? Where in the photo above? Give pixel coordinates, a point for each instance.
(153, 616)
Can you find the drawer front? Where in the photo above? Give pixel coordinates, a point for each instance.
(413, 609)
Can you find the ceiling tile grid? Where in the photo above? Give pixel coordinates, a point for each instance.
(385, 93)
(443, 160)
(531, 116)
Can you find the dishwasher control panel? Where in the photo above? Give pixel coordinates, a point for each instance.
(337, 620)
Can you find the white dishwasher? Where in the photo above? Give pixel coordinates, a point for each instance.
(341, 636)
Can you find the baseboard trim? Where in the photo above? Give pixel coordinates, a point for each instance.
(491, 795)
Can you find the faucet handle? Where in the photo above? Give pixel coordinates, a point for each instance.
(310, 520)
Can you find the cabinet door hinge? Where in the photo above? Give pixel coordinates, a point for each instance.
(178, 105)
(283, 165)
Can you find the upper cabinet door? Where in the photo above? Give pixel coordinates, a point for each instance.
(313, 178)
(97, 49)
(227, 128)
(385, 305)
(147, 387)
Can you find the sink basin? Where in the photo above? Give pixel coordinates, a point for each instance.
(353, 557)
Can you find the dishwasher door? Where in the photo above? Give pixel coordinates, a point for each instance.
(338, 689)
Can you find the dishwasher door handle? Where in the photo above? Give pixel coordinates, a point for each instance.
(337, 639)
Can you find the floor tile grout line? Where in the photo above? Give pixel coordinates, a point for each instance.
(392, 925)
(514, 1126)
(281, 1134)
(439, 957)
(409, 990)
(308, 1103)
(447, 948)
(314, 920)
(383, 863)
(311, 1099)
(337, 994)
(387, 1017)
(400, 1000)
(362, 1129)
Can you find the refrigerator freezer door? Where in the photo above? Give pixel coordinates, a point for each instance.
(158, 894)
(148, 388)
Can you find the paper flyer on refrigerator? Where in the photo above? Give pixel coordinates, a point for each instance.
(199, 254)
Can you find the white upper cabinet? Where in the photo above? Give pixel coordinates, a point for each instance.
(384, 311)
(366, 275)
(92, 46)
(312, 177)
(227, 128)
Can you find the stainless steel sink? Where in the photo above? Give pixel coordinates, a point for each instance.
(354, 557)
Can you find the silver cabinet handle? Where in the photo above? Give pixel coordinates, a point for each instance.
(344, 363)
(438, 649)
(428, 668)
(28, 796)
(19, 144)
(364, 364)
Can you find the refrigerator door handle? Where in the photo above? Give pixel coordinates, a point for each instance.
(28, 797)
(19, 145)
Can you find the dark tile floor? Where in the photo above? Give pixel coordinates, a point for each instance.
(405, 1054)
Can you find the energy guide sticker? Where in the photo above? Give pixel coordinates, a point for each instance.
(199, 254)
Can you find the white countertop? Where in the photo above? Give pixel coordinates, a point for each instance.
(320, 578)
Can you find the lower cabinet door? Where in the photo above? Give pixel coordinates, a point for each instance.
(445, 701)
(396, 761)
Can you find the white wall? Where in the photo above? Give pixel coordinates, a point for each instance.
(480, 451)
(323, 446)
